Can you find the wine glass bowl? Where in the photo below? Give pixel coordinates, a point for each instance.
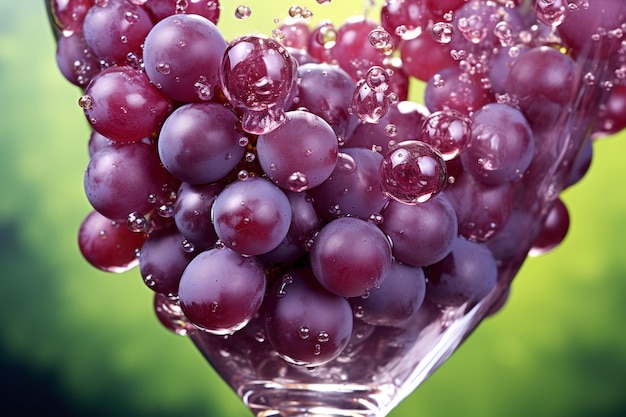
(306, 340)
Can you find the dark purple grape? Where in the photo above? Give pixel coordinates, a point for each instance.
(412, 172)
(554, 230)
(163, 260)
(107, 244)
(115, 29)
(501, 147)
(406, 19)
(326, 90)
(97, 142)
(466, 275)
(581, 164)
(121, 104)
(352, 50)
(481, 209)
(350, 256)
(251, 216)
(75, 60)
(500, 65)
(221, 291)
(395, 299)
(306, 324)
(542, 95)
(301, 153)
(452, 88)
(192, 213)
(402, 122)
(421, 234)
(201, 143)
(168, 312)
(123, 179)
(590, 30)
(612, 117)
(353, 188)
(69, 15)
(160, 9)
(257, 75)
(182, 55)
(423, 57)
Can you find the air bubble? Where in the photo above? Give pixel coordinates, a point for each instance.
(131, 17)
(85, 102)
(298, 182)
(166, 210)
(504, 33)
(368, 104)
(377, 78)
(188, 247)
(243, 175)
(136, 222)
(323, 337)
(203, 88)
(243, 12)
(380, 39)
(442, 32)
(327, 36)
(304, 332)
(164, 68)
(551, 12)
(391, 130)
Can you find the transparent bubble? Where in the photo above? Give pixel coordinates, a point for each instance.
(243, 12)
(85, 102)
(381, 40)
(442, 32)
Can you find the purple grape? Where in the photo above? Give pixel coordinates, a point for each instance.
(350, 256)
(70, 14)
(296, 34)
(163, 260)
(448, 131)
(452, 88)
(115, 29)
(423, 57)
(353, 188)
(121, 104)
(97, 142)
(301, 153)
(581, 164)
(501, 147)
(481, 209)
(75, 60)
(422, 234)
(396, 299)
(220, 290)
(257, 76)
(466, 275)
(412, 172)
(554, 230)
(182, 55)
(124, 179)
(168, 312)
(612, 117)
(406, 19)
(160, 9)
(500, 65)
(326, 90)
(200, 143)
(192, 213)
(251, 216)
(107, 244)
(306, 324)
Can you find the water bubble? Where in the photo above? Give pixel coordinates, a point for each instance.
(442, 32)
(286, 281)
(164, 68)
(85, 102)
(278, 34)
(504, 33)
(323, 337)
(368, 104)
(449, 131)
(551, 12)
(304, 332)
(391, 130)
(327, 36)
(377, 78)
(473, 28)
(250, 157)
(243, 175)
(317, 350)
(214, 306)
(438, 81)
(188, 247)
(345, 163)
(136, 222)
(243, 141)
(131, 17)
(412, 172)
(243, 12)
(381, 40)
(203, 88)
(166, 210)
(298, 182)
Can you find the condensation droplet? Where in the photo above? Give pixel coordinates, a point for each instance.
(85, 102)
(381, 40)
(163, 68)
(391, 130)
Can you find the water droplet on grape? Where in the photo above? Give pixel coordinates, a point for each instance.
(327, 36)
(214, 306)
(298, 182)
(136, 223)
(368, 104)
(131, 17)
(243, 175)
(323, 337)
(504, 33)
(317, 350)
(412, 172)
(391, 130)
(164, 68)
(304, 332)
(85, 102)
(188, 247)
(203, 88)
(166, 210)
(243, 12)
(442, 32)
(345, 163)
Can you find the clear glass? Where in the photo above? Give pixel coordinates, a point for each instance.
(383, 365)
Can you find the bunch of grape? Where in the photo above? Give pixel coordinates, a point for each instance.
(289, 180)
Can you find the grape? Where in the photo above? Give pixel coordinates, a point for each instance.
(501, 145)
(220, 290)
(295, 34)
(108, 245)
(541, 95)
(350, 256)
(257, 76)
(412, 172)
(439, 7)
(451, 88)
(97, 142)
(160, 9)
(581, 164)
(182, 55)
(353, 188)
(75, 60)
(163, 260)
(321, 40)
(554, 230)
(123, 179)
(121, 104)
(251, 216)
(200, 142)
(406, 19)
(170, 315)
(192, 213)
(612, 117)
(69, 15)
(396, 299)
(422, 234)
(406, 117)
(423, 57)
(326, 90)
(466, 275)
(500, 66)
(481, 209)
(116, 29)
(306, 324)
(301, 153)
(352, 50)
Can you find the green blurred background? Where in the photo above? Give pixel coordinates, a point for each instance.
(77, 342)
